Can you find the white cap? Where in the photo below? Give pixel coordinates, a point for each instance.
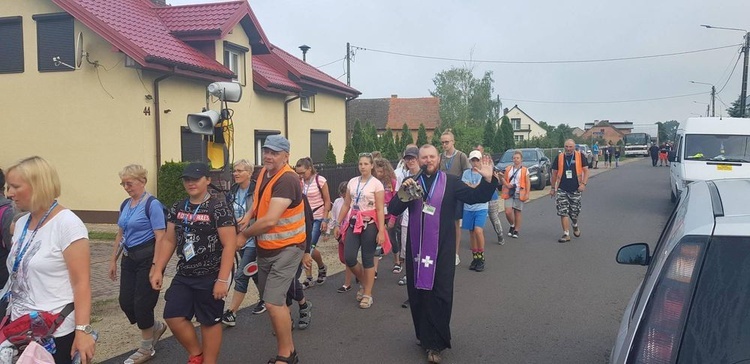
(475, 154)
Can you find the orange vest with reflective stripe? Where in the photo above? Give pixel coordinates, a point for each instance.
(524, 196)
(290, 229)
(579, 167)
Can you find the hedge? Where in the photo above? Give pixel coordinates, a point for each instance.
(169, 185)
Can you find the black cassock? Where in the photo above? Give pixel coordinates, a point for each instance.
(431, 310)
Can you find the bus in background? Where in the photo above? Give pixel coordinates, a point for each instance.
(636, 144)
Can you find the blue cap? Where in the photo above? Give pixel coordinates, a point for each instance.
(276, 143)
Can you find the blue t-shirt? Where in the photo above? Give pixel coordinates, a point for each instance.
(595, 149)
(137, 229)
(473, 178)
(240, 206)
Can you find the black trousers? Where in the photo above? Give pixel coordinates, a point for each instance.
(137, 298)
(64, 344)
(654, 159)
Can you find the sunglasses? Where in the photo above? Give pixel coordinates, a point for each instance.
(190, 179)
(365, 154)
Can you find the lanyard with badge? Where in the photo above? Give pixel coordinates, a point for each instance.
(359, 193)
(427, 208)
(188, 250)
(25, 247)
(569, 172)
(128, 216)
(449, 162)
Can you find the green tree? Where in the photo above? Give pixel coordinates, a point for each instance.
(388, 145)
(489, 136)
(667, 130)
(358, 138)
(508, 141)
(734, 110)
(421, 135)
(350, 155)
(330, 155)
(370, 137)
(465, 99)
(435, 140)
(406, 137)
(499, 139)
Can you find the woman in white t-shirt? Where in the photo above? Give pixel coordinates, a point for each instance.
(50, 260)
(363, 218)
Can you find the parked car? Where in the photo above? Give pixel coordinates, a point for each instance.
(692, 306)
(584, 148)
(535, 160)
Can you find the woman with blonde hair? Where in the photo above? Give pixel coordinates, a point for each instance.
(141, 227)
(50, 259)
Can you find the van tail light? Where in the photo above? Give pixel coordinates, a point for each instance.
(661, 328)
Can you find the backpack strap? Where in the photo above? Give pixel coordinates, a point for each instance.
(61, 317)
(122, 205)
(149, 200)
(317, 182)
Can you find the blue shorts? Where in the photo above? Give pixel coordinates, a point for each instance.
(190, 297)
(474, 219)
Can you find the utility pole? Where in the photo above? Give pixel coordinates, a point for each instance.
(713, 101)
(743, 94)
(349, 61)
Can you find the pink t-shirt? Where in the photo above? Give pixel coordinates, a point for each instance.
(314, 196)
(362, 193)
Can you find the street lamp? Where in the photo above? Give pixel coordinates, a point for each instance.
(745, 49)
(708, 106)
(713, 96)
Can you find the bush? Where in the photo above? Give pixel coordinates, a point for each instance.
(169, 186)
(330, 156)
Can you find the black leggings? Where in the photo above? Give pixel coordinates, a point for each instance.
(137, 298)
(367, 241)
(64, 344)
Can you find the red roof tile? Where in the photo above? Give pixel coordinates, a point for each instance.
(200, 18)
(413, 112)
(305, 72)
(269, 79)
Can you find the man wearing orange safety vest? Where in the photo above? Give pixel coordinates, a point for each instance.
(280, 238)
(570, 173)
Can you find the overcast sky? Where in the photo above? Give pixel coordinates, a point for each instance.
(531, 30)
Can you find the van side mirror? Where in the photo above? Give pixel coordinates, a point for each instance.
(634, 254)
(672, 156)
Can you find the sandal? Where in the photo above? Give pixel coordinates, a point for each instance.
(322, 272)
(141, 355)
(396, 268)
(291, 359)
(360, 294)
(307, 283)
(305, 316)
(366, 301)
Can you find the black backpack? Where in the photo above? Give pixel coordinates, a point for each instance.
(309, 220)
(149, 200)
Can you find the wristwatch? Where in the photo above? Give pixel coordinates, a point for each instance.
(85, 328)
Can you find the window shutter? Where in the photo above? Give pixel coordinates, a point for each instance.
(11, 45)
(318, 145)
(193, 148)
(55, 38)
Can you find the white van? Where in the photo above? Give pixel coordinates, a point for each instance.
(709, 148)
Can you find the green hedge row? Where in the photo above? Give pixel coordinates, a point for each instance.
(169, 185)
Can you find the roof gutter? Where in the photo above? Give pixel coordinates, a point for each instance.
(157, 120)
(286, 115)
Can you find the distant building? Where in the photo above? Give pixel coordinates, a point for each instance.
(524, 126)
(604, 130)
(577, 131)
(394, 112)
(623, 126)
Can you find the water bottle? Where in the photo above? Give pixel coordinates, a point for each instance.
(41, 332)
(77, 357)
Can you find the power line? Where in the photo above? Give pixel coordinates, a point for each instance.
(730, 75)
(332, 62)
(543, 62)
(604, 102)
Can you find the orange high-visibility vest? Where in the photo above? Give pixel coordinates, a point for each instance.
(290, 230)
(579, 167)
(524, 193)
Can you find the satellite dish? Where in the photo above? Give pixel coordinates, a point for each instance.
(79, 52)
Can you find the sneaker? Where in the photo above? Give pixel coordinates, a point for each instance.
(402, 281)
(159, 329)
(376, 275)
(322, 272)
(510, 230)
(515, 234)
(479, 266)
(198, 359)
(305, 316)
(564, 239)
(259, 308)
(576, 231)
(473, 264)
(308, 283)
(501, 240)
(344, 288)
(458, 260)
(229, 318)
(397, 269)
(141, 355)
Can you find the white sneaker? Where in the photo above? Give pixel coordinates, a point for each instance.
(458, 260)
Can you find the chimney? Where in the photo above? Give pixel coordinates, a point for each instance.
(505, 111)
(394, 96)
(159, 2)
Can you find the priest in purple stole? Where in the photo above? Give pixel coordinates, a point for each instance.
(431, 245)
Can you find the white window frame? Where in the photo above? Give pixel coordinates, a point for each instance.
(516, 123)
(233, 59)
(307, 103)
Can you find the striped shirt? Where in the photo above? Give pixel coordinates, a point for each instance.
(314, 195)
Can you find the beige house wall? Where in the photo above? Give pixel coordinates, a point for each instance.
(329, 114)
(536, 131)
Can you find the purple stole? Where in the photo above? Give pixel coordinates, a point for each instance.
(424, 238)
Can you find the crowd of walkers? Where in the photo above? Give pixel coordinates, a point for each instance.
(273, 224)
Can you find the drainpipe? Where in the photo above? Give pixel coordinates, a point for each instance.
(157, 121)
(286, 115)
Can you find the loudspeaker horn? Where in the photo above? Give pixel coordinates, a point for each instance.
(226, 91)
(203, 123)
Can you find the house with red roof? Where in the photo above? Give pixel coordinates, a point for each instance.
(394, 112)
(95, 85)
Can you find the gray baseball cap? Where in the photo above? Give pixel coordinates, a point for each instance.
(276, 143)
(411, 152)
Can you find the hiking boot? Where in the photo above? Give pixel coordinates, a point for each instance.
(479, 266)
(564, 239)
(305, 315)
(141, 355)
(259, 308)
(229, 318)
(473, 264)
(322, 272)
(576, 231)
(308, 282)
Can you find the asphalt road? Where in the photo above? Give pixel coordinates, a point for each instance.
(538, 301)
